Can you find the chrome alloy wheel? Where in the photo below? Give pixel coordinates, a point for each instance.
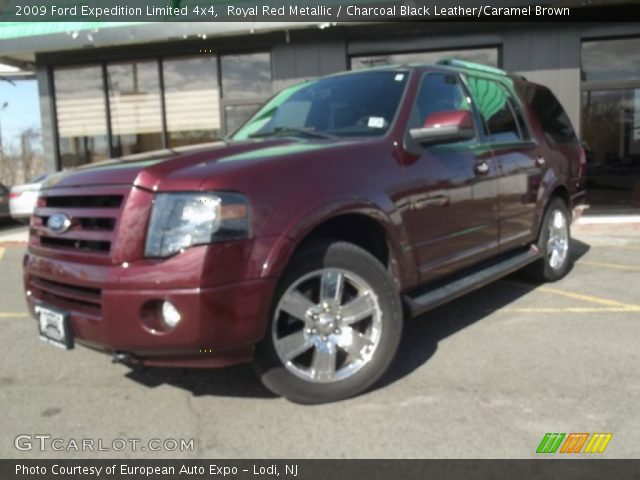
(558, 240)
(327, 325)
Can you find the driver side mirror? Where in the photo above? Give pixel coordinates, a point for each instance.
(445, 127)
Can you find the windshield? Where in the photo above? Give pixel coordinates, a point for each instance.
(358, 104)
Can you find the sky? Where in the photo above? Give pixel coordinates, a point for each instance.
(22, 111)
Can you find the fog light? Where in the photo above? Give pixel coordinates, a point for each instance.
(170, 314)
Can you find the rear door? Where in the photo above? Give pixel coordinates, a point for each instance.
(451, 218)
(521, 160)
(563, 150)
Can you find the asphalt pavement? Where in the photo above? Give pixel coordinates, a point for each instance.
(485, 376)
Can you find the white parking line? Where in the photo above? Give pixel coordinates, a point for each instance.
(615, 266)
(570, 310)
(608, 219)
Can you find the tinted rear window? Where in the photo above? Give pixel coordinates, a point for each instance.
(552, 117)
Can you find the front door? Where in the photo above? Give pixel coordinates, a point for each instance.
(520, 160)
(451, 218)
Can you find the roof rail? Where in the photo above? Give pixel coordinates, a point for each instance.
(452, 62)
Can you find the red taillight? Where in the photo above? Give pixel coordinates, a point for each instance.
(582, 164)
(14, 194)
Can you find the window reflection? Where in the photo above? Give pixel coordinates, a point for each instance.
(611, 59)
(486, 56)
(136, 113)
(611, 131)
(192, 100)
(236, 115)
(81, 115)
(246, 76)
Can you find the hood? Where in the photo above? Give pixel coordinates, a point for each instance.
(188, 168)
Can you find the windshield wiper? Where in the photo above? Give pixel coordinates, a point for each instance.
(279, 131)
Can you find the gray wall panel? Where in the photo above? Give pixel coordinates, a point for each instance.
(308, 59)
(425, 42)
(551, 57)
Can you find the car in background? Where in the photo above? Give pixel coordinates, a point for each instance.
(23, 198)
(4, 202)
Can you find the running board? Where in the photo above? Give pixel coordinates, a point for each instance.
(427, 299)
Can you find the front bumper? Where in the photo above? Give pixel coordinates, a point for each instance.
(115, 309)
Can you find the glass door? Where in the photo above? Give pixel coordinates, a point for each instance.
(611, 132)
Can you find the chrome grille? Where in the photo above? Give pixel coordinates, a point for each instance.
(93, 222)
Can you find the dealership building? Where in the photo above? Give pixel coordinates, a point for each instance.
(112, 89)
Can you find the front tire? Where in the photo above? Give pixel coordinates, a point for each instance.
(554, 241)
(336, 322)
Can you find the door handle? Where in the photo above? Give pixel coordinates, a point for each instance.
(540, 161)
(482, 168)
(435, 201)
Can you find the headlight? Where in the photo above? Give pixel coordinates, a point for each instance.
(182, 220)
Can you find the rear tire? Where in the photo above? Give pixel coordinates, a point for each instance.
(335, 326)
(554, 241)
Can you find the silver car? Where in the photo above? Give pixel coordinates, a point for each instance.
(23, 198)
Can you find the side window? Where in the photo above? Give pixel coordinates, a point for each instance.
(439, 92)
(496, 110)
(524, 132)
(553, 119)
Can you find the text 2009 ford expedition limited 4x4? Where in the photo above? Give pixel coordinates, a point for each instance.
(301, 243)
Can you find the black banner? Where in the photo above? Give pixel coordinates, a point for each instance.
(315, 10)
(583, 469)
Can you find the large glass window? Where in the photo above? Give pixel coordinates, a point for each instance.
(136, 112)
(246, 84)
(81, 115)
(486, 56)
(246, 76)
(200, 102)
(611, 123)
(611, 59)
(611, 131)
(192, 100)
(236, 115)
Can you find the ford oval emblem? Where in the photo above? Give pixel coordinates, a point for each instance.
(59, 223)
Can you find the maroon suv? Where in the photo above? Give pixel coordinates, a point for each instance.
(300, 242)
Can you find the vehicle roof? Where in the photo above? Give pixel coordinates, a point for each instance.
(450, 65)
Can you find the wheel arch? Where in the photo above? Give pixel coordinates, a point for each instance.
(560, 191)
(362, 224)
